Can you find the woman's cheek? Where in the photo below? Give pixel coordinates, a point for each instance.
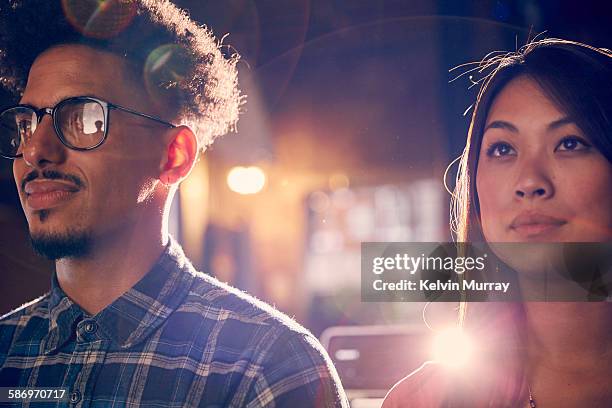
(586, 192)
(492, 199)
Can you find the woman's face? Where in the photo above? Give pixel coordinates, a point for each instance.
(539, 177)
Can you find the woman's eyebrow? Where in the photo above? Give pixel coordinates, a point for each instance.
(560, 123)
(501, 124)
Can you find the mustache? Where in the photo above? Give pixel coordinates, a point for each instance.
(51, 175)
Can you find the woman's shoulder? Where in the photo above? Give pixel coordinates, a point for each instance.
(425, 387)
(435, 385)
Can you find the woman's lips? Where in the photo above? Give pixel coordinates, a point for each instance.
(533, 224)
(46, 194)
(531, 230)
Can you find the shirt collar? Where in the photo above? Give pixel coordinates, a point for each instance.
(137, 313)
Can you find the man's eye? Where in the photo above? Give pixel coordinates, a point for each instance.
(499, 150)
(572, 143)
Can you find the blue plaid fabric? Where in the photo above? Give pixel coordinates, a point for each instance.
(178, 338)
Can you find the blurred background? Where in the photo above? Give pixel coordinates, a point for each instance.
(350, 123)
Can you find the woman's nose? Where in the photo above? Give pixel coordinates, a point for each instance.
(534, 181)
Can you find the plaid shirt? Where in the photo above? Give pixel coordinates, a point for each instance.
(178, 338)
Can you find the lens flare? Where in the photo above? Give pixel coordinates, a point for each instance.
(100, 19)
(452, 348)
(165, 67)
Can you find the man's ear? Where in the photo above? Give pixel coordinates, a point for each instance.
(180, 155)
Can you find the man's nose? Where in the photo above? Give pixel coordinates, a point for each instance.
(534, 181)
(43, 147)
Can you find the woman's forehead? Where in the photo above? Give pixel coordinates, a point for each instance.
(520, 96)
(522, 105)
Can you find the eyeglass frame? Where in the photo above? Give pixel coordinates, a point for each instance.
(106, 108)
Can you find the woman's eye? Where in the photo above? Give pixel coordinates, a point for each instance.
(499, 150)
(572, 143)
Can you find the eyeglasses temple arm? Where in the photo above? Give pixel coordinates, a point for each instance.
(144, 115)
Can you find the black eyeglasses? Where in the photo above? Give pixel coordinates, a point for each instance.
(81, 123)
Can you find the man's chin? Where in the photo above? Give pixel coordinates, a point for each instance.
(69, 244)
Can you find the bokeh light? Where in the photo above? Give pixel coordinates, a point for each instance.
(246, 180)
(99, 18)
(338, 181)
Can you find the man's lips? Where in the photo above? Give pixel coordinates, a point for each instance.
(43, 194)
(531, 224)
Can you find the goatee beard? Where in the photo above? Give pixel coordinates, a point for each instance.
(70, 244)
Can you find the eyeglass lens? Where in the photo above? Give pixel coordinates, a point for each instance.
(81, 124)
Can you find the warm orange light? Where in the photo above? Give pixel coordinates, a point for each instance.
(246, 180)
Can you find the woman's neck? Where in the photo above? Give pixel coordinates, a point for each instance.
(569, 335)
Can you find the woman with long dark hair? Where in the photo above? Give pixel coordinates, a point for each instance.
(536, 170)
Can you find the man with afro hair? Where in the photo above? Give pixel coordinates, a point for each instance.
(114, 101)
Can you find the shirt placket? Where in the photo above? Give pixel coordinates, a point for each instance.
(87, 358)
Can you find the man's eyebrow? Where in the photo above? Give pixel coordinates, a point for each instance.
(54, 101)
(501, 124)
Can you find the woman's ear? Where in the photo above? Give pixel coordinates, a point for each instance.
(180, 155)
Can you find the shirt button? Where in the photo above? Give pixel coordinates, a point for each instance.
(90, 327)
(86, 330)
(75, 397)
